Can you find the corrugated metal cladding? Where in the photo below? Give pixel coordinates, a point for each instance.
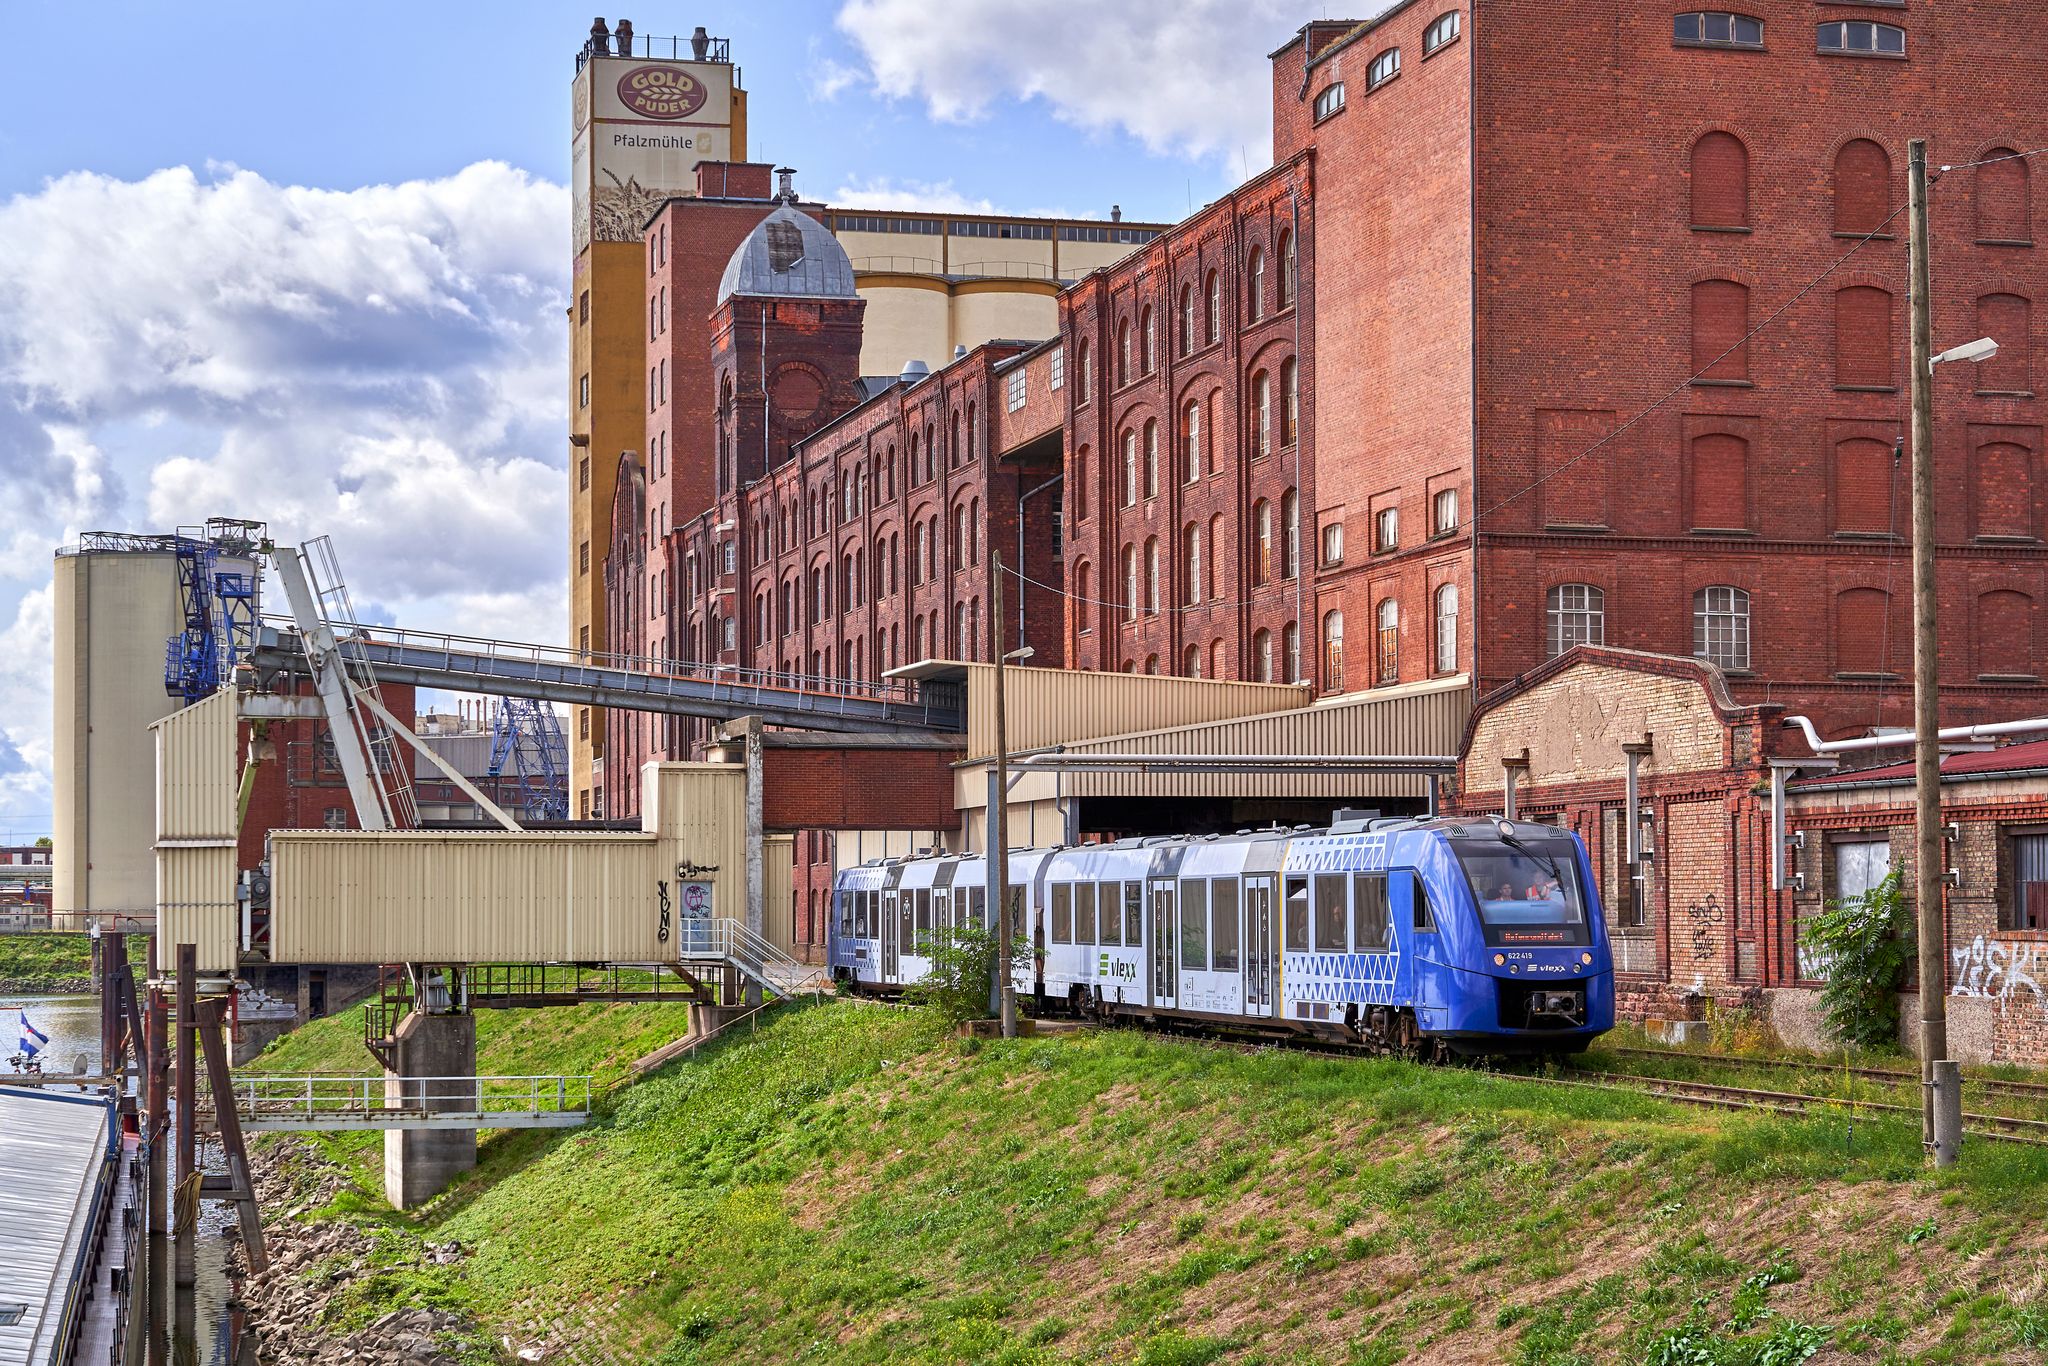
(195, 831)
(352, 896)
(1419, 719)
(1057, 706)
(346, 896)
(778, 891)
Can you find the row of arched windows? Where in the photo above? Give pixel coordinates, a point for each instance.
(1865, 335)
(1864, 196)
(1272, 418)
(1385, 660)
(1199, 318)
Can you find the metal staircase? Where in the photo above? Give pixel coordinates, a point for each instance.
(729, 943)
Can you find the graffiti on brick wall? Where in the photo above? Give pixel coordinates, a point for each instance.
(1992, 969)
(1700, 919)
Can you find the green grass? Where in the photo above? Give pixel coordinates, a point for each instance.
(54, 962)
(856, 1185)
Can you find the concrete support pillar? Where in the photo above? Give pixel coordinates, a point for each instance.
(420, 1163)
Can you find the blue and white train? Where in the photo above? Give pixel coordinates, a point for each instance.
(1472, 936)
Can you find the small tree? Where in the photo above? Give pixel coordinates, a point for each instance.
(958, 984)
(43, 842)
(1867, 943)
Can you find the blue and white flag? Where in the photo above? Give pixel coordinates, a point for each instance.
(33, 1040)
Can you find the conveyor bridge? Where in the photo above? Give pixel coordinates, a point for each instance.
(673, 687)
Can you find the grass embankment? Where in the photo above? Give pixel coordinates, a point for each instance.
(56, 962)
(853, 1185)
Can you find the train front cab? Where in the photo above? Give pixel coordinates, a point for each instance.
(1511, 954)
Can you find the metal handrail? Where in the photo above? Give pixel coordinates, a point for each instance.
(313, 1094)
(730, 941)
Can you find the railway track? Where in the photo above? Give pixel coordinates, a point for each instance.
(2027, 1090)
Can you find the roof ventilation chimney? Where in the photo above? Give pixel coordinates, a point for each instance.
(960, 351)
(700, 43)
(600, 36)
(623, 37)
(785, 191)
(1116, 213)
(914, 371)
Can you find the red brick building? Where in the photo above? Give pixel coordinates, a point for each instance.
(1542, 235)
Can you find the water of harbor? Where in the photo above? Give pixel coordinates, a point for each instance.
(73, 1024)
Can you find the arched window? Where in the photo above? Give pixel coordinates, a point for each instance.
(1255, 285)
(1863, 638)
(917, 650)
(1152, 576)
(1441, 31)
(1389, 642)
(1191, 441)
(1216, 543)
(1262, 541)
(961, 644)
(974, 532)
(1187, 319)
(1217, 666)
(1863, 187)
(953, 450)
(1290, 652)
(1290, 401)
(1720, 626)
(2005, 636)
(1447, 629)
(1286, 269)
(1123, 353)
(1215, 309)
(1716, 28)
(1081, 485)
(1333, 652)
(1191, 662)
(1191, 560)
(1262, 656)
(973, 434)
(2007, 319)
(1084, 595)
(956, 555)
(912, 471)
(1865, 482)
(1576, 614)
(1087, 369)
(1290, 522)
(1720, 327)
(1718, 476)
(1262, 414)
(1384, 68)
(1130, 468)
(1151, 458)
(1856, 38)
(2004, 200)
(1151, 664)
(1146, 348)
(1863, 338)
(1720, 182)
(1130, 583)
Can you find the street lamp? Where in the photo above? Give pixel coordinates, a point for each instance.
(1982, 349)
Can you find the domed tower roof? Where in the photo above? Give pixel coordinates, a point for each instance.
(789, 254)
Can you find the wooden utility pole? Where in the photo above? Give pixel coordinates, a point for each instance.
(998, 816)
(184, 1100)
(1941, 1108)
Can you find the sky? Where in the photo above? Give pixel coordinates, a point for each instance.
(307, 262)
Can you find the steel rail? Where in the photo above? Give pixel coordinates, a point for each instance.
(2017, 1088)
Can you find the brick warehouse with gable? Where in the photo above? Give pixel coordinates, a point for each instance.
(1490, 239)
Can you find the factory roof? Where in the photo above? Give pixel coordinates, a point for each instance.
(58, 1152)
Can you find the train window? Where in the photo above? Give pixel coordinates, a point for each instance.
(1425, 914)
(1297, 915)
(1330, 913)
(977, 907)
(1134, 913)
(1223, 923)
(1109, 915)
(923, 902)
(861, 920)
(1372, 926)
(1194, 925)
(1062, 914)
(1017, 911)
(1084, 913)
(1528, 891)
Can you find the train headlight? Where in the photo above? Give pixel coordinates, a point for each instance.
(1500, 960)
(1587, 959)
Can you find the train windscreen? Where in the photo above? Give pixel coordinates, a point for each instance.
(1527, 891)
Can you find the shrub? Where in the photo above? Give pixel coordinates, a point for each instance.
(1867, 943)
(959, 984)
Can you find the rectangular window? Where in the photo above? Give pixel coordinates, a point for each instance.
(1425, 914)
(1387, 529)
(1372, 923)
(1057, 369)
(1329, 100)
(583, 473)
(583, 558)
(1062, 913)
(1084, 913)
(2029, 909)
(1331, 913)
(1014, 389)
(1134, 913)
(924, 917)
(1446, 512)
(1194, 925)
(1223, 924)
(583, 392)
(583, 308)
(1296, 915)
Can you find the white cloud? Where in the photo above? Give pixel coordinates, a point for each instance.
(830, 79)
(1185, 77)
(385, 365)
(927, 196)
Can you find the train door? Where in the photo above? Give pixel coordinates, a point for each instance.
(1258, 947)
(942, 919)
(1165, 945)
(1432, 985)
(891, 910)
